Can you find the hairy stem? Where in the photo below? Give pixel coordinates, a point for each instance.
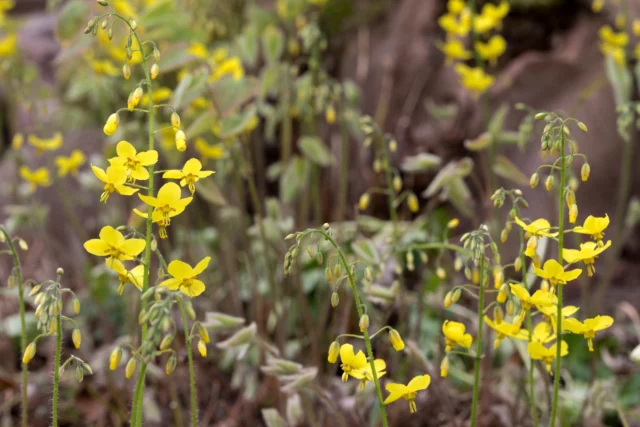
(56, 371)
(192, 378)
(478, 358)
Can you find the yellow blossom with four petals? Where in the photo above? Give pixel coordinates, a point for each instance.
(135, 276)
(408, 392)
(588, 328)
(189, 175)
(555, 274)
(185, 277)
(114, 179)
(35, 178)
(167, 204)
(133, 161)
(70, 164)
(113, 245)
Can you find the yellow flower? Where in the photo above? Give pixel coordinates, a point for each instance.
(113, 245)
(455, 26)
(555, 274)
(8, 45)
(539, 298)
(538, 351)
(409, 391)
(228, 67)
(167, 205)
(17, 141)
(594, 226)
(184, 277)
(474, 79)
(36, 178)
(45, 144)
(334, 351)
(589, 327)
(132, 161)
(189, 175)
(454, 50)
(102, 66)
(539, 227)
(71, 164)
(366, 374)
(135, 276)
(114, 179)
(351, 362)
(588, 253)
(112, 124)
(613, 44)
(491, 17)
(207, 151)
(491, 50)
(29, 352)
(198, 50)
(542, 333)
(454, 334)
(505, 329)
(551, 314)
(160, 95)
(455, 7)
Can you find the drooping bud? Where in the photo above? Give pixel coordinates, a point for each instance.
(334, 351)
(585, 171)
(573, 213)
(202, 348)
(330, 114)
(412, 202)
(533, 181)
(448, 300)
(549, 183)
(335, 299)
(166, 342)
(444, 367)
(397, 184)
(171, 364)
(155, 69)
(75, 305)
(503, 293)
(114, 359)
(510, 307)
(130, 369)
(498, 314)
(29, 352)
(112, 124)
(363, 203)
(396, 340)
(364, 322)
(76, 337)
(441, 273)
(181, 141)
(175, 120)
(455, 296)
(517, 264)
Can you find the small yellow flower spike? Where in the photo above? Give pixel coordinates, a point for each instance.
(135, 276)
(8, 45)
(594, 226)
(112, 124)
(409, 391)
(454, 334)
(555, 274)
(588, 253)
(168, 204)
(396, 340)
(112, 244)
(491, 17)
(613, 44)
(334, 351)
(493, 49)
(538, 351)
(366, 374)
(505, 329)
(351, 362)
(17, 141)
(133, 161)
(228, 67)
(208, 152)
(71, 164)
(198, 50)
(454, 50)
(474, 79)
(114, 179)
(45, 144)
(189, 175)
(36, 178)
(184, 277)
(589, 327)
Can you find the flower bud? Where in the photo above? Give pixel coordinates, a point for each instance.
(504, 235)
(156, 54)
(166, 342)
(396, 340)
(114, 359)
(335, 299)
(503, 293)
(171, 364)
(364, 322)
(363, 203)
(76, 337)
(79, 374)
(34, 290)
(533, 181)
(102, 2)
(23, 245)
(181, 141)
(544, 285)
(130, 369)
(175, 120)
(75, 305)
(447, 300)
(573, 213)
(112, 124)
(455, 296)
(517, 264)
(458, 264)
(412, 202)
(548, 184)
(204, 334)
(397, 184)
(510, 307)
(475, 276)
(585, 171)
(444, 367)
(202, 348)
(155, 69)
(334, 351)
(532, 245)
(53, 327)
(330, 114)
(498, 277)
(328, 274)
(498, 314)
(29, 352)
(133, 24)
(441, 273)
(126, 71)
(367, 274)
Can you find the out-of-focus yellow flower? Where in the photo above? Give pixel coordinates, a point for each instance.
(135, 276)
(454, 50)
(351, 362)
(219, 55)
(543, 333)
(198, 50)
(539, 227)
(588, 328)
(408, 392)
(189, 175)
(133, 161)
(454, 334)
(229, 67)
(454, 25)
(493, 49)
(114, 179)
(505, 329)
(491, 17)
(594, 227)
(45, 144)
(17, 141)
(588, 253)
(555, 274)
(206, 151)
(103, 66)
(597, 5)
(8, 45)
(334, 351)
(181, 140)
(538, 351)
(200, 103)
(184, 277)
(113, 245)
(474, 79)
(455, 7)
(168, 204)
(36, 178)
(613, 44)
(71, 164)
(160, 94)
(396, 340)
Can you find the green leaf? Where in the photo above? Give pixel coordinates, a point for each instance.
(272, 44)
(236, 123)
(229, 94)
(422, 162)
(201, 124)
(459, 195)
(269, 80)
(247, 45)
(478, 144)
(294, 178)
(209, 190)
(507, 170)
(453, 170)
(315, 150)
(620, 78)
(366, 251)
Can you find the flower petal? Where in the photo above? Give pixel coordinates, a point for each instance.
(111, 236)
(125, 149)
(421, 382)
(147, 158)
(192, 166)
(96, 247)
(172, 284)
(133, 247)
(173, 174)
(197, 287)
(346, 353)
(180, 269)
(169, 194)
(99, 172)
(201, 266)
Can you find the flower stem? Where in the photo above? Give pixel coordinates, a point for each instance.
(556, 377)
(344, 167)
(56, 371)
(138, 398)
(192, 380)
(532, 398)
(23, 324)
(367, 340)
(476, 378)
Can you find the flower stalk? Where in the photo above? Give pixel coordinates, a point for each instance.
(192, 379)
(56, 370)
(478, 356)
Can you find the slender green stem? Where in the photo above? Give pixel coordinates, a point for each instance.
(344, 167)
(138, 398)
(556, 377)
(367, 340)
(56, 371)
(476, 377)
(391, 194)
(192, 379)
(23, 325)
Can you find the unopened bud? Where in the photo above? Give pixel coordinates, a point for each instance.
(130, 369)
(29, 352)
(397, 184)
(171, 364)
(328, 274)
(126, 71)
(444, 367)
(202, 348)
(533, 181)
(549, 183)
(510, 307)
(133, 24)
(363, 203)
(76, 337)
(334, 351)
(412, 202)
(396, 340)
(503, 293)
(448, 300)
(75, 305)
(573, 213)
(155, 69)
(114, 359)
(517, 264)
(498, 314)
(441, 273)
(585, 171)
(364, 322)
(166, 342)
(455, 296)
(175, 120)
(504, 235)
(335, 299)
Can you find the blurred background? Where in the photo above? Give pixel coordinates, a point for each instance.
(381, 58)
